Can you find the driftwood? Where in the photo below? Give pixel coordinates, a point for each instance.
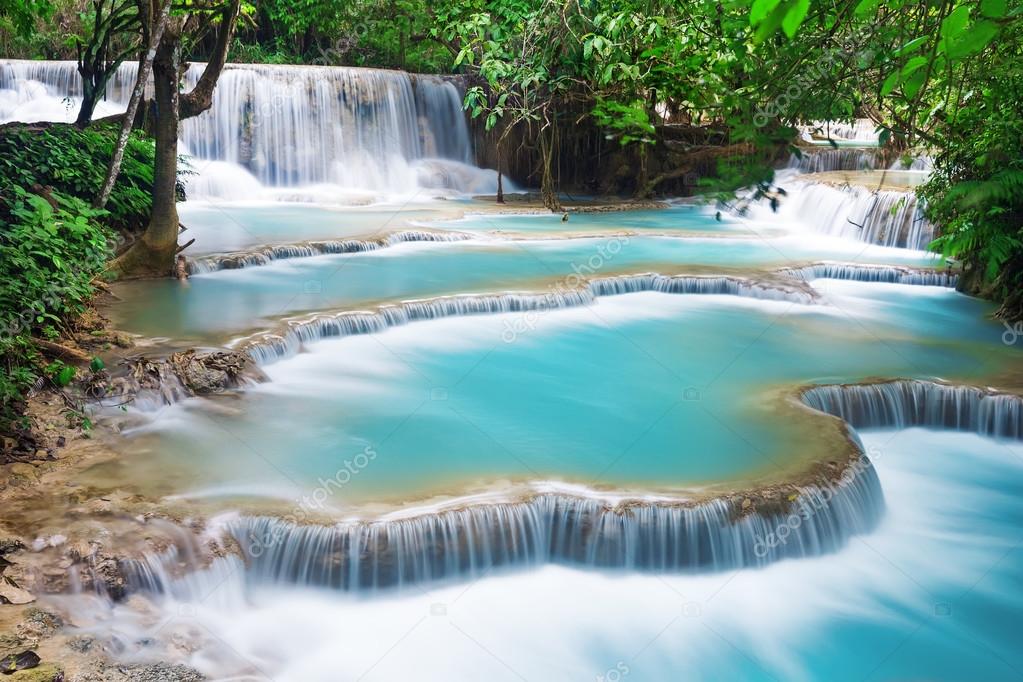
(58, 351)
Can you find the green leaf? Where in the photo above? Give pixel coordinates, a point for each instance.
(912, 65)
(794, 17)
(993, 8)
(955, 23)
(867, 7)
(973, 41)
(64, 376)
(760, 9)
(911, 46)
(769, 25)
(96, 364)
(913, 84)
(889, 83)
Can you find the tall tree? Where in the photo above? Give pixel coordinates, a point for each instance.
(112, 37)
(153, 254)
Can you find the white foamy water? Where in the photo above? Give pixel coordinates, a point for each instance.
(901, 603)
(326, 134)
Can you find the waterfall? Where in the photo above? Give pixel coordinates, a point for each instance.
(33, 91)
(687, 284)
(883, 217)
(289, 126)
(824, 160)
(874, 273)
(267, 254)
(269, 347)
(902, 404)
(859, 130)
(179, 573)
(923, 162)
(547, 528)
(464, 541)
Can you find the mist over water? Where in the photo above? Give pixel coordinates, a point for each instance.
(929, 595)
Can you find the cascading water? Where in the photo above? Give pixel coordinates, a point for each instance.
(859, 130)
(268, 254)
(923, 162)
(874, 273)
(825, 160)
(290, 126)
(883, 217)
(902, 404)
(33, 91)
(271, 347)
(548, 528)
(297, 126)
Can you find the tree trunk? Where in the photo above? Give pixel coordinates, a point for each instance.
(89, 98)
(500, 176)
(644, 177)
(547, 190)
(145, 66)
(154, 253)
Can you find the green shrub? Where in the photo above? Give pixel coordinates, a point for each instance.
(74, 162)
(53, 244)
(51, 248)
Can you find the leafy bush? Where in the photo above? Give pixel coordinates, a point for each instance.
(74, 162)
(976, 190)
(51, 248)
(53, 244)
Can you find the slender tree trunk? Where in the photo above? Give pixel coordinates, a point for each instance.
(145, 67)
(643, 177)
(547, 190)
(500, 176)
(154, 253)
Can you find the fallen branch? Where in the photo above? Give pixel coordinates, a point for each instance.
(56, 350)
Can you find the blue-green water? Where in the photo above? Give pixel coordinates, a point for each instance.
(648, 392)
(684, 218)
(219, 227)
(229, 302)
(643, 390)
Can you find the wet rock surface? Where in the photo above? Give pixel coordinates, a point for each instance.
(20, 661)
(182, 375)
